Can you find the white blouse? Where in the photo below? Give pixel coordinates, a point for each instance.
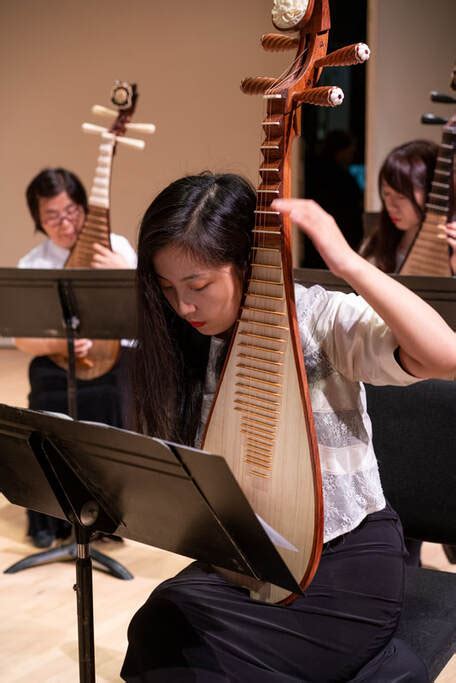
(344, 343)
(49, 255)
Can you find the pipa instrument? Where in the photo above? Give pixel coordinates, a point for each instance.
(261, 418)
(104, 353)
(429, 253)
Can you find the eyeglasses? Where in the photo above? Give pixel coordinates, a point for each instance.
(70, 213)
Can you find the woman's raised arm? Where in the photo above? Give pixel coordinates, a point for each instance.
(427, 344)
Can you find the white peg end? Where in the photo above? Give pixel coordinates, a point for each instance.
(335, 96)
(362, 52)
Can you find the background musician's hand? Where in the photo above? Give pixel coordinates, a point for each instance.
(81, 347)
(450, 230)
(105, 258)
(322, 229)
(49, 347)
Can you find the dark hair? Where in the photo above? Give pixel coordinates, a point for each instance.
(211, 217)
(407, 168)
(49, 183)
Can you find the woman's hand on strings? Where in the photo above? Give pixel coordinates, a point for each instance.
(322, 229)
(105, 258)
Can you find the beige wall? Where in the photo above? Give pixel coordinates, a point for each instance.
(59, 57)
(413, 50)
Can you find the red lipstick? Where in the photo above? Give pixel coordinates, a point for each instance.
(197, 323)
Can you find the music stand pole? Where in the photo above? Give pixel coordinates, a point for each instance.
(71, 322)
(84, 601)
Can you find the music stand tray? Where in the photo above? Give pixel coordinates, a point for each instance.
(102, 300)
(438, 292)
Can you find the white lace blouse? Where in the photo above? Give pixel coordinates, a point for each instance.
(344, 344)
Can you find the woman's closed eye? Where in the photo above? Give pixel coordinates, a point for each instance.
(389, 196)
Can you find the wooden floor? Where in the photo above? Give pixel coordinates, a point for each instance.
(38, 630)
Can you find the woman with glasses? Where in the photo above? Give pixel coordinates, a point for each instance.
(57, 203)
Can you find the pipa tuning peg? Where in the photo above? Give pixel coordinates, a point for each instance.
(149, 128)
(433, 120)
(111, 138)
(346, 56)
(442, 98)
(257, 85)
(93, 128)
(275, 42)
(129, 142)
(324, 96)
(99, 110)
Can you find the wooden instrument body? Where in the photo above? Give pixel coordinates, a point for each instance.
(262, 426)
(429, 253)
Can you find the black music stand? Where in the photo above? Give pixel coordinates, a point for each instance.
(97, 304)
(106, 479)
(438, 292)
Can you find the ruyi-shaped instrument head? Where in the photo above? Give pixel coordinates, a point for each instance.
(446, 154)
(441, 98)
(123, 96)
(310, 21)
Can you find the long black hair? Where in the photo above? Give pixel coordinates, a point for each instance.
(210, 217)
(49, 183)
(407, 168)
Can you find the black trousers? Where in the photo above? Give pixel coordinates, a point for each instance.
(198, 627)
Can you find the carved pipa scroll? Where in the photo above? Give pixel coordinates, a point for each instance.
(104, 353)
(261, 419)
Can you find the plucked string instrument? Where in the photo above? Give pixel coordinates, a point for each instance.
(104, 353)
(261, 418)
(429, 253)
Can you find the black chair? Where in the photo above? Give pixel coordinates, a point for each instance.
(414, 431)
